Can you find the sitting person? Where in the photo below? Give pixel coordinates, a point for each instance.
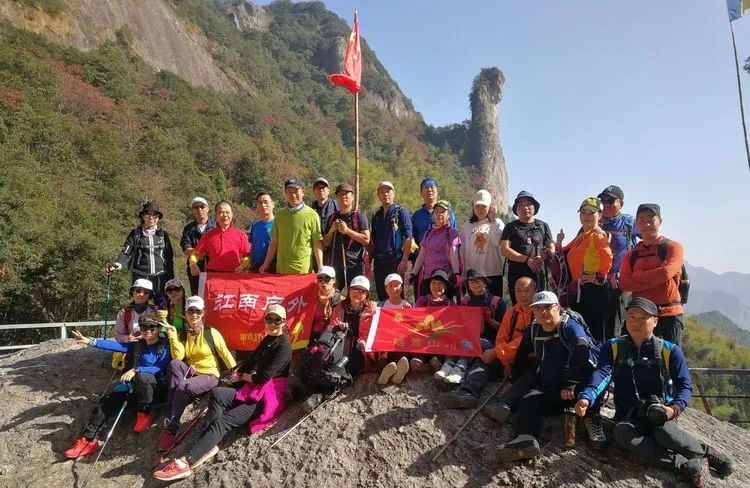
(197, 353)
(561, 347)
(393, 371)
(148, 380)
(496, 363)
(350, 311)
(126, 323)
(175, 291)
(328, 299)
(652, 388)
(259, 401)
(478, 295)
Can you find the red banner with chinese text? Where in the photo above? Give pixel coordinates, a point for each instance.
(453, 331)
(236, 302)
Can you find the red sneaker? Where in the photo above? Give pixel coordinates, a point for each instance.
(166, 439)
(82, 447)
(175, 470)
(143, 421)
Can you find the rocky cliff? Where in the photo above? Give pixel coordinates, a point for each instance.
(369, 437)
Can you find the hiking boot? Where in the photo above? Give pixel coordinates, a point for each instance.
(455, 376)
(402, 367)
(387, 373)
(312, 402)
(166, 439)
(458, 399)
(82, 447)
(213, 452)
(419, 366)
(694, 470)
(176, 470)
(719, 462)
(435, 363)
(441, 373)
(143, 421)
(499, 412)
(596, 433)
(522, 447)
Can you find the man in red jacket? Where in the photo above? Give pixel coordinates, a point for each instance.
(652, 269)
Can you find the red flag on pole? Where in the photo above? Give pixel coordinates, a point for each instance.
(351, 78)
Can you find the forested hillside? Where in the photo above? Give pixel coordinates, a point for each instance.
(86, 136)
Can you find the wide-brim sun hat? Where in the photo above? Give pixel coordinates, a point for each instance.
(529, 196)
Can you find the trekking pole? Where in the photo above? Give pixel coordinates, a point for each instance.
(343, 261)
(101, 449)
(181, 436)
(107, 300)
(111, 378)
(471, 417)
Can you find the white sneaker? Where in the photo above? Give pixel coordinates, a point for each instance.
(402, 367)
(388, 371)
(455, 376)
(443, 372)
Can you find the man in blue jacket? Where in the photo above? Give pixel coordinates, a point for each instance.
(559, 343)
(652, 388)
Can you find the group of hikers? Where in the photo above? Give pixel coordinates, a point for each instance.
(600, 313)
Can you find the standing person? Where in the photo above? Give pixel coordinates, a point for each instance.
(621, 229)
(224, 247)
(526, 243)
(652, 388)
(653, 269)
(561, 350)
(175, 290)
(147, 250)
(323, 204)
(347, 232)
(147, 378)
(192, 233)
(422, 219)
(295, 235)
(480, 243)
(259, 400)
(259, 234)
(440, 251)
(126, 323)
(589, 259)
(328, 298)
(197, 356)
(391, 237)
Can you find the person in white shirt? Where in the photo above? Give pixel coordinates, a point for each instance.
(480, 243)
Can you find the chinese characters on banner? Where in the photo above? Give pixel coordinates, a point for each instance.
(453, 331)
(236, 302)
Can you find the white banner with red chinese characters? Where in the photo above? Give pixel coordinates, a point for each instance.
(236, 302)
(453, 331)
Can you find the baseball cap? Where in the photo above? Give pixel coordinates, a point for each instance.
(386, 183)
(321, 180)
(393, 277)
(327, 271)
(482, 197)
(199, 200)
(544, 298)
(591, 204)
(344, 187)
(276, 309)
(653, 207)
(360, 282)
(612, 191)
(429, 181)
(443, 203)
(194, 302)
(645, 304)
(142, 283)
(293, 183)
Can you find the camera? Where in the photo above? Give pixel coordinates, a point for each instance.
(653, 410)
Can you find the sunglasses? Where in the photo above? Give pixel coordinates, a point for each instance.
(608, 201)
(149, 328)
(140, 290)
(273, 321)
(194, 310)
(545, 308)
(324, 279)
(173, 289)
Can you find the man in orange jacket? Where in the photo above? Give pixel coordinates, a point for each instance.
(496, 363)
(652, 269)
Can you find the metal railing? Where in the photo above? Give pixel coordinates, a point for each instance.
(704, 398)
(63, 326)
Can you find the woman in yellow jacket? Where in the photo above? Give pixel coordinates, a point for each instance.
(589, 258)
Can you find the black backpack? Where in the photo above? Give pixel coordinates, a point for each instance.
(593, 346)
(683, 285)
(208, 335)
(323, 363)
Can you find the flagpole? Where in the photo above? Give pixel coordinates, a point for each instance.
(356, 151)
(739, 89)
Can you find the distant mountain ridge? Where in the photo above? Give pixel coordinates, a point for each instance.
(721, 323)
(725, 292)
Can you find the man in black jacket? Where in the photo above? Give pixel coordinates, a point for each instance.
(202, 223)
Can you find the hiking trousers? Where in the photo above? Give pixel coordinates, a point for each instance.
(670, 329)
(541, 401)
(380, 270)
(481, 373)
(592, 306)
(614, 316)
(224, 414)
(183, 389)
(667, 446)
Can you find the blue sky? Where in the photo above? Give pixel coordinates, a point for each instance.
(641, 94)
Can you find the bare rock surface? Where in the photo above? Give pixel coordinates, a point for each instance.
(369, 436)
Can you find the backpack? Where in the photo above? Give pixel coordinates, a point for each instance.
(209, 336)
(683, 282)
(561, 279)
(323, 363)
(593, 346)
(627, 358)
